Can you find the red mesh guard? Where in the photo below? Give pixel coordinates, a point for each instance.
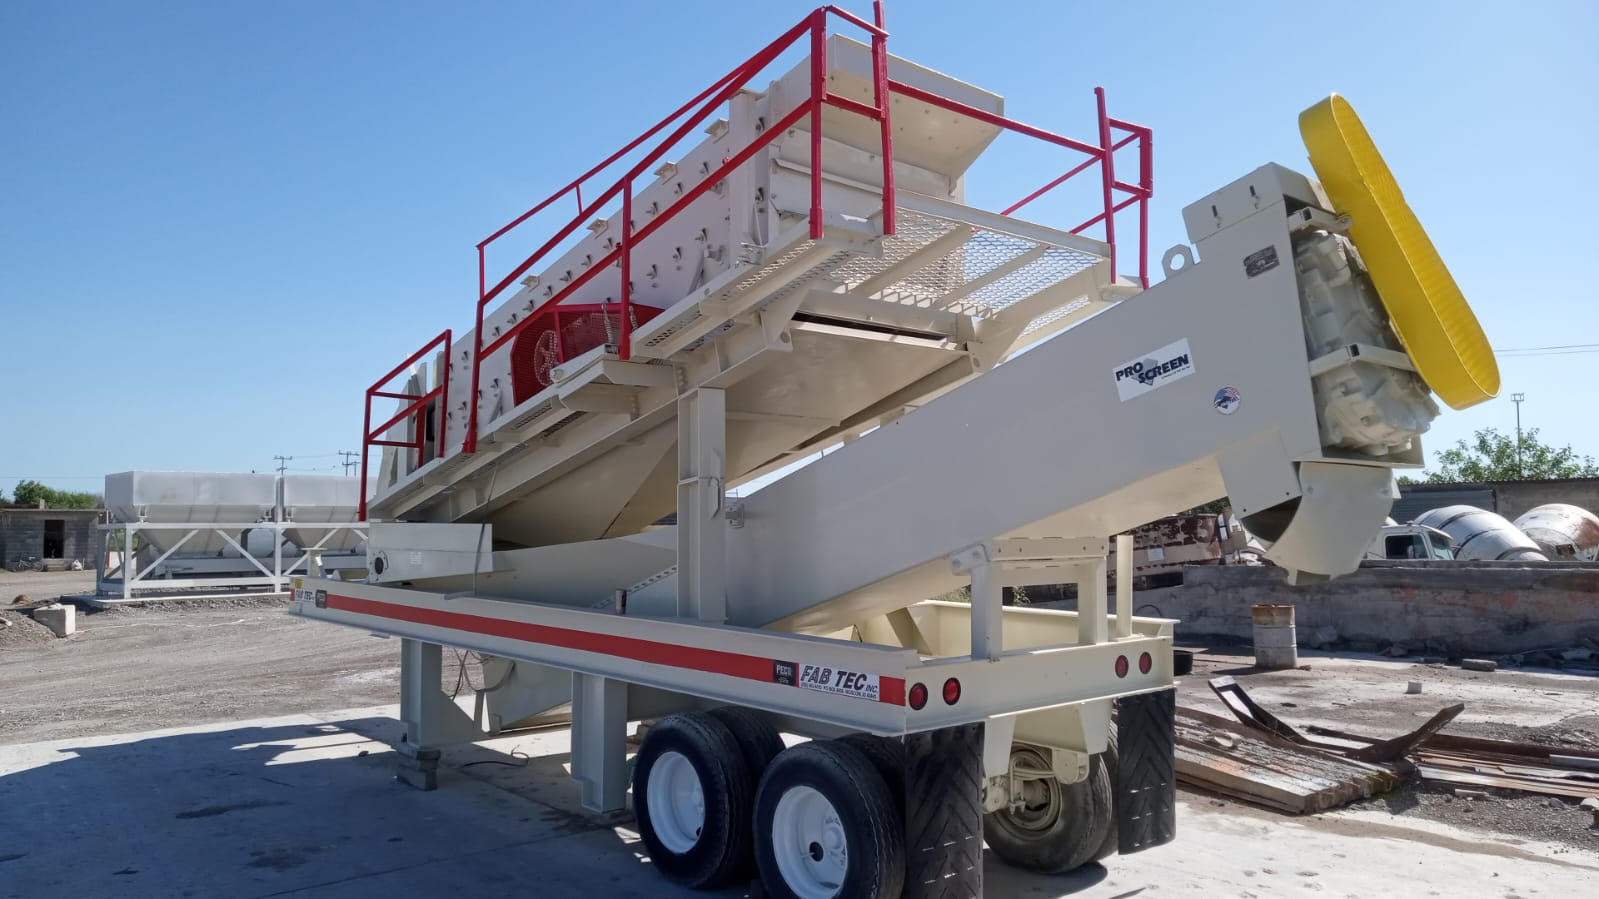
(536, 351)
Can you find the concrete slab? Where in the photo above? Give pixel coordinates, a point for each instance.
(305, 805)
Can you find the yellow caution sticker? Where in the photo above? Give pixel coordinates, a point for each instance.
(1430, 314)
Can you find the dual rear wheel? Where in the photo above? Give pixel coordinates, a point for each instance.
(718, 798)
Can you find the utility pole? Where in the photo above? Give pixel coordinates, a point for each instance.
(283, 463)
(1517, 398)
(350, 460)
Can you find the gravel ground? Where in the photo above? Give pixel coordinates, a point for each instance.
(1366, 695)
(42, 586)
(18, 629)
(180, 662)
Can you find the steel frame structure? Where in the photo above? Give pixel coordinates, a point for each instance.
(274, 573)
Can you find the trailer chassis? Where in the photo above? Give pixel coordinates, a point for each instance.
(1051, 685)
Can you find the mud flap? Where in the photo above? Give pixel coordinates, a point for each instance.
(1146, 772)
(944, 813)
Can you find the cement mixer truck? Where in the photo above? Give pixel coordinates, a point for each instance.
(786, 271)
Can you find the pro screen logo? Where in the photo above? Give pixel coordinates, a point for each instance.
(1153, 370)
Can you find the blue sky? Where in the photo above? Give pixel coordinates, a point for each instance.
(219, 222)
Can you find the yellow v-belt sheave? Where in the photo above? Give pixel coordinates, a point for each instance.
(1433, 320)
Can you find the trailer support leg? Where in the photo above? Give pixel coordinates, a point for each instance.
(987, 601)
(944, 813)
(599, 741)
(431, 717)
(701, 518)
(1093, 623)
(127, 562)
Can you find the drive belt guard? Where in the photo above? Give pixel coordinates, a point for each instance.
(1433, 320)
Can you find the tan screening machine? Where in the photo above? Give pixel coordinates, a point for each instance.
(995, 404)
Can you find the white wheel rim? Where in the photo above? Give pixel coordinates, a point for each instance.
(808, 843)
(676, 802)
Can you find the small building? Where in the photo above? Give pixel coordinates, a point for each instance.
(27, 532)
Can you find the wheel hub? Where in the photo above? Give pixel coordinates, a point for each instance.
(809, 843)
(676, 802)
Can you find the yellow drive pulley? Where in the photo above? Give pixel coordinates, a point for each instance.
(1437, 327)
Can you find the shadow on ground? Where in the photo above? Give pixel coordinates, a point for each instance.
(298, 807)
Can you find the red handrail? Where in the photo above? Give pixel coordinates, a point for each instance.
(705, 103)
(417, 406)
(719, 92)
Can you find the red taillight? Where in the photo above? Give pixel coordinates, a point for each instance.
(952, 691)
(918, 697)
(1121, 666)
(1145, 662)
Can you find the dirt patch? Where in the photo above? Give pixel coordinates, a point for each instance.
(43, 586)
(1547, 818)
(136, 669)
(18, 630)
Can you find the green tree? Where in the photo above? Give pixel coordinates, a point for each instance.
(30, 493)
(1492, 456)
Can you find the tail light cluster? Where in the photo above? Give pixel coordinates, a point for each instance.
(1146, 663)
(918, 694)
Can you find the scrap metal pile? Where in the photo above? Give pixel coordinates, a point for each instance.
(1265, 761)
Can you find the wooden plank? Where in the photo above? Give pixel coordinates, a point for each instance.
(1441, 774)
(1223, 756)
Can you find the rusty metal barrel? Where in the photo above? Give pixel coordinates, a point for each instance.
(1562, 531)
(1276, 642)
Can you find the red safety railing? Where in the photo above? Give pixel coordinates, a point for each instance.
(418, 406)
(1116, 194)
(708, 101)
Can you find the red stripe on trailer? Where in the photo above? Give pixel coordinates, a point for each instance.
(712, 661)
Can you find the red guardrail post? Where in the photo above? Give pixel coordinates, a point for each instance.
(818, 91)
(1107, 170)
(366, 447)
(441, 419)
(880, 90)
(624, 343)
(1146, 180)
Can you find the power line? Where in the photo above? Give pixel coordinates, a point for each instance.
(1556, 350)
(1565, 346)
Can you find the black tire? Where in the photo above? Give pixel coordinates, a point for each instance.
(887, 757)
(1109, 758)
(873, 830)
(1060, 833)
(721, 849)
(757, 739)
